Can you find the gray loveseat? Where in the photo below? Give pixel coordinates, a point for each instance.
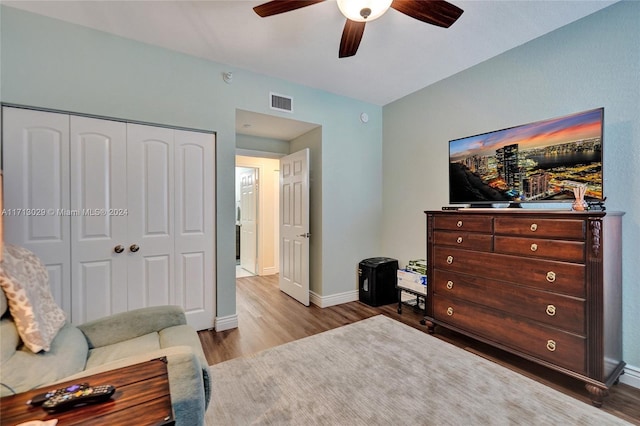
(111, 342)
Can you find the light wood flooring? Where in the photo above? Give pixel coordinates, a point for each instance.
(267, 318)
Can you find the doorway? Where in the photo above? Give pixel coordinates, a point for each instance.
(261, 140)
(257, 213)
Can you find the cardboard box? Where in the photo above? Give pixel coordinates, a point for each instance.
(412, 281)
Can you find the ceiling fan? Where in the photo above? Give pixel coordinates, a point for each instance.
(359, 12)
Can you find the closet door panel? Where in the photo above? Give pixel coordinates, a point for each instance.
(157, 289)
(94, 295)
(150, 156)
(195, 230)
(35, 147)
(98, 150)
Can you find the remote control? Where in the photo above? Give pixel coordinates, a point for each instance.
(42, 397)
(88, 395)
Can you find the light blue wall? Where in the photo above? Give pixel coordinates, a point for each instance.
(51, 64)
(591, 63)
(255, 143)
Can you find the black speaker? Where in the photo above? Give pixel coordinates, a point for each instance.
(377, 281)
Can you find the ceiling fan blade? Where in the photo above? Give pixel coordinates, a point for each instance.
(276, 7)
(351, 36)
(436, 12)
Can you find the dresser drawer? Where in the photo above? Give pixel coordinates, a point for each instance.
(560, 311)
(560, 277)
(540, 228)
(568, 251)
(464, 223)
(549, 344)
(465, 240)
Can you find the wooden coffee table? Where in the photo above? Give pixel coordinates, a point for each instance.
(142, 398)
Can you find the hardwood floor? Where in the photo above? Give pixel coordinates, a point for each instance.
(267, 318)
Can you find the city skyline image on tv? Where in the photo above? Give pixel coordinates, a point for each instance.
(541, 161)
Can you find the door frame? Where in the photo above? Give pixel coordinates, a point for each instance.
(266, 263)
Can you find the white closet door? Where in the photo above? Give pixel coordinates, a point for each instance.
(99, 217)
(78, 187)
(36, 191)
(194, 227)
(150, 248)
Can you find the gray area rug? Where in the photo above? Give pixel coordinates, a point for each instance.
(381, 372)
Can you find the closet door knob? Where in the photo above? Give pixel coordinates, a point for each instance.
(119, 248)
(134, 248)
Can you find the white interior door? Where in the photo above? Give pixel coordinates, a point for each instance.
(150, 247)
(248, 219)
(99, 217)
(80, 187)
(195, 227)
(294, 225)
(35, 147)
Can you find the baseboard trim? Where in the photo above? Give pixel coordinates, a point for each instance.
(333, 299)
(226, 323)
(631, 376)
(270, 270)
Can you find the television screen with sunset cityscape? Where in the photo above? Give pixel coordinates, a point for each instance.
(541, 161)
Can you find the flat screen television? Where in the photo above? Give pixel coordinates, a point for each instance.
(536, 162)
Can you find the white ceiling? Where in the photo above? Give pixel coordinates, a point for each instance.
(270, 126)
(398, 54)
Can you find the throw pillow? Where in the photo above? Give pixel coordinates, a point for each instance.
(25, 282)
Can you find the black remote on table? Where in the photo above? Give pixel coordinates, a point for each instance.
(42, 397)
(88, 395)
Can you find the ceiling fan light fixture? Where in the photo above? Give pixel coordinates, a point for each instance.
(363, 10)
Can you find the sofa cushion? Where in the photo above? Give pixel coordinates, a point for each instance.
(131, 324)
(125, 349)
(25, 282)
(9, 339)
(26, 370)
(3, 303)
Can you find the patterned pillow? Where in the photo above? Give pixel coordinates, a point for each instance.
(25, 282)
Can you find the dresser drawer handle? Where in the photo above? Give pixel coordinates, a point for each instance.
(534, 247)
(449, 260)
(551, 345)
(459, 224)
(459, 240)
(449, 284)
(551, 276)
(449, 311)
(551, 310)
(534, 227)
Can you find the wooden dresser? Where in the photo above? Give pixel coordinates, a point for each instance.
(545, 285)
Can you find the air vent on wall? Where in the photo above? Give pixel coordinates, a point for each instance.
(281, 102)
